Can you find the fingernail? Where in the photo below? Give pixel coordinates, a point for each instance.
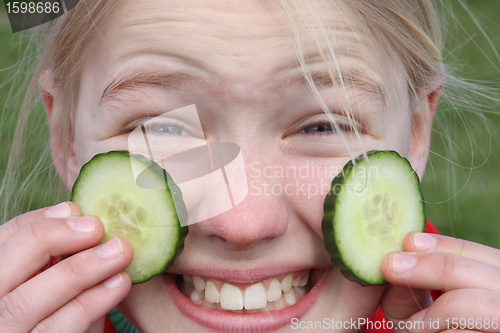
(112, 249)
(84, 224)
(114, 282)
(402, 263)
(423, 242)
(61, 210)
(417, 317)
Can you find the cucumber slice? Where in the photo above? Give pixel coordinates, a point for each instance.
(145, 216)
(373, 203)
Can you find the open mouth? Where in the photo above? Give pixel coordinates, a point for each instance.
(263, 305)
(271, 294)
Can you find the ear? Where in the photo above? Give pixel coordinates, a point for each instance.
(422, 126)
(61, 144)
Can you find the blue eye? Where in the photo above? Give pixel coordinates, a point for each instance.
(325, 128)
(317, 128)
(165, 128)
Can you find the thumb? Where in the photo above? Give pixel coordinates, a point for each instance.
(399, 303)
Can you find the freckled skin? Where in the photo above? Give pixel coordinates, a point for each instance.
(241, 50)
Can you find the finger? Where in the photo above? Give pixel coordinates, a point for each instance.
(438, 271)
(30, 249)
(88, 307)
(36, 299)
(62, 210)
(399, 303)
(421, 242)
(480, 312)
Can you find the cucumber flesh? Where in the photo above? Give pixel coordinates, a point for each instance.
(146, 217)
(372, 205)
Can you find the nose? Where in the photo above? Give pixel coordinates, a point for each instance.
(262, 215)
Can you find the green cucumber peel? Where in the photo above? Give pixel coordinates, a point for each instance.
(135, 199)
(373, 203)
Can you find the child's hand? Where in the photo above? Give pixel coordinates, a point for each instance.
(71, 295)
(467, 272)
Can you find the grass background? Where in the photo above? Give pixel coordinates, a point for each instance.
(461, 201)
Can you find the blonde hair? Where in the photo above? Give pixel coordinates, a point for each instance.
(408, 30)
(60, 46)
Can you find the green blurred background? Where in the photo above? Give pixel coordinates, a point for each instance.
(462, 193)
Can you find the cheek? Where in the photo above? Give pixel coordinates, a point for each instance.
(360, 300)
(397, 124)
(310, 187)
(81, 142)
(309, 206)
(346, 301)
(93, 136)
(84, 145)
(400, 139)
(145, 304)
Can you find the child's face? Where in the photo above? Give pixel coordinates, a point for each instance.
(237, 63)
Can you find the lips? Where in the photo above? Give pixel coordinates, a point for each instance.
(265, 305)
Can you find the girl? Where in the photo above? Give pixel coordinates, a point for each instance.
(295, 84)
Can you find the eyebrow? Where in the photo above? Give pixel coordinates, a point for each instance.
(133, 78)
(351, 77)
(356, 78)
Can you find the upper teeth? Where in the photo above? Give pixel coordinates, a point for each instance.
(199, 284)
(211, 293)
(274, 291)
(254, 297)
(230, 297)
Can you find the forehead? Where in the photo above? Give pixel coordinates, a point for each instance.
(206, 33)
(242, 22)
(240, 46)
